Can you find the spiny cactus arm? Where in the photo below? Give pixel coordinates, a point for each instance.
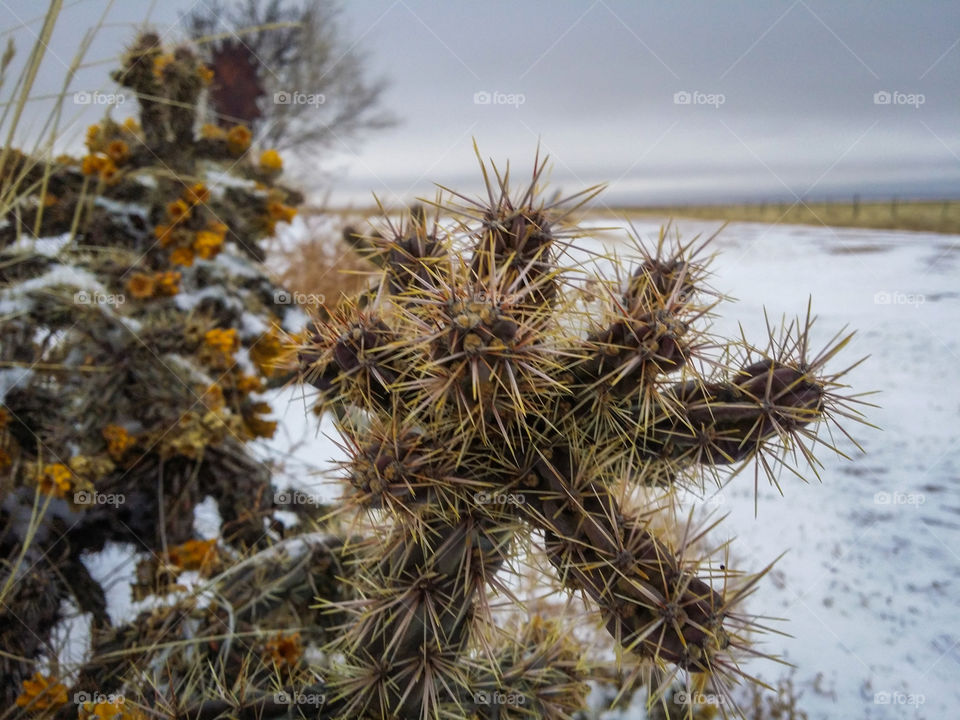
(772, 408)
(354, 359)
(138, 75)
(653, 605)
(540, 673)
(418, 601)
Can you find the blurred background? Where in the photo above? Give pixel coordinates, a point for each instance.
(670, 103)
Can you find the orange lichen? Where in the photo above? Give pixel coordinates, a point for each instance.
(209, 131)
(93, 137)
(178, 211)
(141, 286)
(193, 554)
(196, 194)
(108, 172)
(213, 397)
(222, 339)
(285, 650)
(269, 353)
(255, 425)
(55, 480)
(168, 283)
(279, 211)
(42, 692)
(118, 441)
(160, 63)
(206, 74)
(115, 709)
(270, 160)
(118, 151)
(207, 244)
(92, 164)
(182, 256)
(248, 383)
(238, 139)
(131, 126)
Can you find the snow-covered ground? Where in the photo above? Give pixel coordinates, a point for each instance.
(873, 553)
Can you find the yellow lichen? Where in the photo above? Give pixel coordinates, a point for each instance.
(270, 160)
(193, 554)
(209, 131)
(196, 194)
(285, 650)
(255, 425)
(42, 692)
(238, 139)
(118, 441)
(160, 63)
(279, 211)
(93, 138)
(118, 151)
(55, 480)
(182, 256)
(92, 164)
(168, 283)
(178, 211)
(207, 244)
(141, 286)
(222, 339)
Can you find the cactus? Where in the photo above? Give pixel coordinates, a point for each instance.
(136, 337)
(491, 394)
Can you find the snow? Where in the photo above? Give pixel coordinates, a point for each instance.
(870, 578)
(304, 449)
(12, 377)
(869, 584)
(48, 246)
(869, 581)
(56, 275)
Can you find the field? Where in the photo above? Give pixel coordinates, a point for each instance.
(941, 216)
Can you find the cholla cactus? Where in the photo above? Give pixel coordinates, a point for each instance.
(137, 333)
(491, 394)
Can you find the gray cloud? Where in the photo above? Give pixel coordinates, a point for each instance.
(598, 83)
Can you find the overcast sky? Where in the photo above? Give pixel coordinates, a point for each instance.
(666, 101)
